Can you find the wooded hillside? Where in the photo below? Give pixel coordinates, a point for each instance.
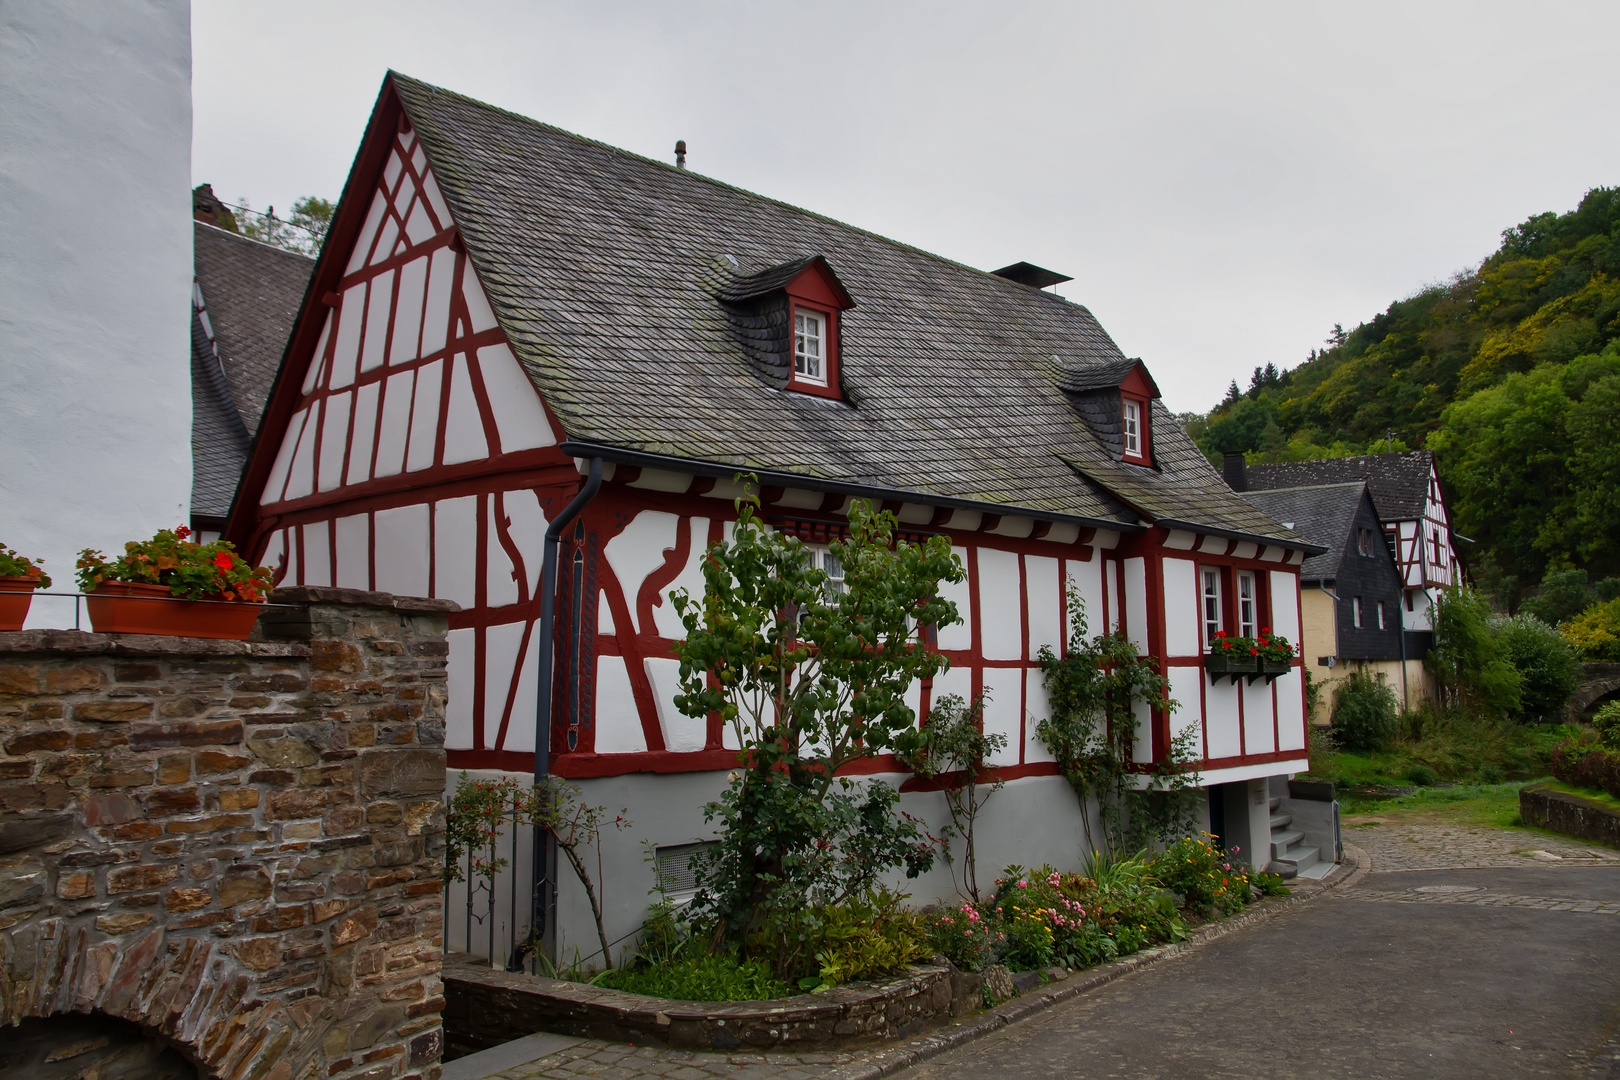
(1510, 372)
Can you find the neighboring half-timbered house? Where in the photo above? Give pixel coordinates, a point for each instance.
(1352, 593)
(513, 329)
(1405, 489)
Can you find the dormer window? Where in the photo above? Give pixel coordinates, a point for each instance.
(809, 346)
(788, 320)
(1115, 400)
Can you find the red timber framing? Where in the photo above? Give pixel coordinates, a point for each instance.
(405, 449)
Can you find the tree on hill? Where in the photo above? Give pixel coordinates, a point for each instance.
(1507, 371)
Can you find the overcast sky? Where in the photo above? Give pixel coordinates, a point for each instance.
(1224, 182)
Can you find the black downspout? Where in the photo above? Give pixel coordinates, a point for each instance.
(544, 886)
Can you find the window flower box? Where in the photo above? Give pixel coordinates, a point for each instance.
(1230, 663)
(128, 607)
(16, 593)
(1272, 668)
(19, 577)
(168, 585)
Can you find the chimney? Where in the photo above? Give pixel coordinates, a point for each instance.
(1235, 471)
(680, 153)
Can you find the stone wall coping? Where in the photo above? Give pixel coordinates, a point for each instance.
(917, 997)
(84, 643)
(797, 1007)
(1573, 815)
(323, 594)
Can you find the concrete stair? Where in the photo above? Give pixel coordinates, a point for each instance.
(1286, 846)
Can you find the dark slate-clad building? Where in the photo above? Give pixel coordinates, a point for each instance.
(244, 298)
(1351, 594)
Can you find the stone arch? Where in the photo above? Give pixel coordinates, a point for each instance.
(1601, 681)
(68, 1046)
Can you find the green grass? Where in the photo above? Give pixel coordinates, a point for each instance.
(1595, 794)
(1493, 805)
(704, 978)
(1456, 750)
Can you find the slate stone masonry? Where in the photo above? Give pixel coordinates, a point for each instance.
(236, 845)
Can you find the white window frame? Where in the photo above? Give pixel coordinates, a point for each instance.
(1248, 604)
(1210, 603)
(803, 338)
(1355, 612)
(1380, 615)
(1131, 423)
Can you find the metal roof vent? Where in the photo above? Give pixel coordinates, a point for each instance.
(680, 153)
(1036, 277)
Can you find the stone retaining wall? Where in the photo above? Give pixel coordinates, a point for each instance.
(484, 1008)
(1572, 815)
(235, 845)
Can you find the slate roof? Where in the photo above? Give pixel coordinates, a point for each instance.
(1323, 513)
(607, 272)
(251, 293)
(1399, 483)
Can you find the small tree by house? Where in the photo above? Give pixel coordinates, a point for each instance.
(1094, 690)
(954, 754)
(810, 676)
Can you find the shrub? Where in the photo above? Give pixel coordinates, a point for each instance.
(964, 937)
(1585, 762)
(1606, 722)
(865, 936)
(721, 977)
(1364, 712)
(1470, 660)
(1421, 775)
(1595, 632)
(1204, 874)
(1548, 666)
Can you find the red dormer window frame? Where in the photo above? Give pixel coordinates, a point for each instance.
(815, 291)
(1136, 390)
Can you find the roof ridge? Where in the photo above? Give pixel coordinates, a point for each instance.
(258, 243)
(433, 88)
(1305, 487)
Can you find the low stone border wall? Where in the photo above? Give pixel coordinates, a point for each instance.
(485, 1008)
(1572, 815)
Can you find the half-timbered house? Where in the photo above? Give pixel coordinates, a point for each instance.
(1351, 594)
(513, 330)
(1406, 492)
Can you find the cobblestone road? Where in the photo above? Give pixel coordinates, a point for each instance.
(1398, 844)
(1404, 842)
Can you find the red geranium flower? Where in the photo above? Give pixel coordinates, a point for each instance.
(223, 561)
(1253, 652)
(182, 532)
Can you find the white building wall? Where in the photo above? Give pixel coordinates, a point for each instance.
(95, 283)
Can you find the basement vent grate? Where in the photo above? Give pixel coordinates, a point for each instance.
(676, 874)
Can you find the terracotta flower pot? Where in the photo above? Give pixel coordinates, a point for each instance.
(16, 593)
(127, 607)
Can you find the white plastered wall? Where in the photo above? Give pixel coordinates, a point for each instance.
(95, 285)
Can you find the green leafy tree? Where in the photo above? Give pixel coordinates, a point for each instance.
(810, 678)
(1548, 666)
(1094, 694)
(1595, 632)
(303, 232)
(1470, 661)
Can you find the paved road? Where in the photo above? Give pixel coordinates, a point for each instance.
(1376, 981)
(1499, 960)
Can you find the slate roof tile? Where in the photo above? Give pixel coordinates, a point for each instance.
(603, 268)
(1324, 514)
(1399, 482)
